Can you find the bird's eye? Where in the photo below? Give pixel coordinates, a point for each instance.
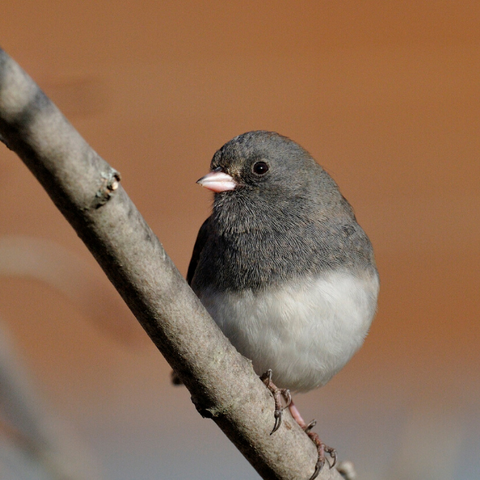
(260, 168)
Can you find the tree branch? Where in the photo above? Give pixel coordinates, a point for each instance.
(87, 191)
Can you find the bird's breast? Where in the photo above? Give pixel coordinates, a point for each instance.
(304, 329)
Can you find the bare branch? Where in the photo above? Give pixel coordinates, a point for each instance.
(86, 189)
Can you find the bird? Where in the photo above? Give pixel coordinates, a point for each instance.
(283, 267)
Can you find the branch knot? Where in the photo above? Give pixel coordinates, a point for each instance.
(110, 183)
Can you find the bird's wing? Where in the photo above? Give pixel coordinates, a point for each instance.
(197, 249)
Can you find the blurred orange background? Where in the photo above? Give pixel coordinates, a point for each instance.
(385, 95)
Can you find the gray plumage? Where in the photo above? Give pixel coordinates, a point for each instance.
(290, 222)
(282, 264)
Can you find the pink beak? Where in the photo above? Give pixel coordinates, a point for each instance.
(217, 182)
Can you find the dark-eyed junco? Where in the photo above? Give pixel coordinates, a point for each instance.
(282, 265)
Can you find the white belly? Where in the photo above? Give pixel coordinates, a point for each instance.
(305, 332)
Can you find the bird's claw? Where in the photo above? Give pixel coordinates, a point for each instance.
(278, 420)
(310, 426)
(283, 393)
(278, 395)
(333, 455)
(322, 450)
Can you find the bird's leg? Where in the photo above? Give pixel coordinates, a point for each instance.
(278, 394)
(283, 393)
(321, 447)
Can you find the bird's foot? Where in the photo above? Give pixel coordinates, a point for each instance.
(175, 379)
(322, 449)
(278, 395)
